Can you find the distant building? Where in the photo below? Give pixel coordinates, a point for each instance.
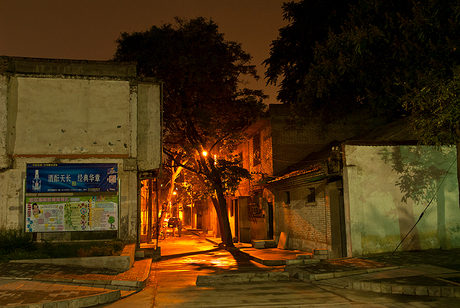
(271, 148)
(75, 139)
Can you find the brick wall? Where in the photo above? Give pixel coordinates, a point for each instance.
(307, 224)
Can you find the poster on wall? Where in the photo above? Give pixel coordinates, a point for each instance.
(57, 178)
(76, 213)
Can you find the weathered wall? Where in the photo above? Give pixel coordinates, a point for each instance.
(68, 116)
(149, 147)
(65, 111)
(386, 188)
(4, 160)
(12, 194)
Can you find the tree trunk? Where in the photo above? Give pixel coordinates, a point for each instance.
(220, 204)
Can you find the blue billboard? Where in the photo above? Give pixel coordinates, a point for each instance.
(47, 178)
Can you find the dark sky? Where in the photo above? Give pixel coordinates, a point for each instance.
(87, 29)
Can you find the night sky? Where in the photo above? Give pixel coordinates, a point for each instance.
(87, 29)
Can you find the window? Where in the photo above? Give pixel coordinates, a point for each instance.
(288, 197)
(311, 195)
(256, 150)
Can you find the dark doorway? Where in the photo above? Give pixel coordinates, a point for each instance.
(271, 220)
(236, 219)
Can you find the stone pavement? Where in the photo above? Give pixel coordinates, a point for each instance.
(422, 273)
(429, 273)
(43, 285)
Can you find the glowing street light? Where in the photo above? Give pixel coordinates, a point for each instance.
(204, 153)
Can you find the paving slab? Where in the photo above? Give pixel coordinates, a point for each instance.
(429, 272)
(26, 293)
(40, 285)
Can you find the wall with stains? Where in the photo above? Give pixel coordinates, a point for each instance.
(4, 161)
(69, 111)
(69, 116)
(387, 188)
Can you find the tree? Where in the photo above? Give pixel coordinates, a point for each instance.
(206, 105)
(292, 53)
(396, 57)
(111, 221)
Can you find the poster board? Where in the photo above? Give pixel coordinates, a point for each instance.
(64, 178)
(71, 197)
(71, 213)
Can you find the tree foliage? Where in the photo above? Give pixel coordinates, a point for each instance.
(206, 104)
(393, 57)
(292, 53)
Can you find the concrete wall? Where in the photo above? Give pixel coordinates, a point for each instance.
(69, 116)
(4, 159)
(386, 188)
(64, 111)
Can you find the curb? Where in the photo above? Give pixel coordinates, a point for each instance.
(432, 291)
(376, 287)
(306, 276)
(118, 284)
(241, 278)
(86, 301)
(122, 262)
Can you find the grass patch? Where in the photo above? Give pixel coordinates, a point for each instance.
(18, 245)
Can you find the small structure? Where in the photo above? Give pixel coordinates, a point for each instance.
(76, 137)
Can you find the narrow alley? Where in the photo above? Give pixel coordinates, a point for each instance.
(172, 283)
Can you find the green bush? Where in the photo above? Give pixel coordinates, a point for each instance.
(23, 255)
(110, 248)
(14, 239)
(17, 245)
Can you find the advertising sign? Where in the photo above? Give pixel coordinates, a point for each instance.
(76, 213)
(56, 178)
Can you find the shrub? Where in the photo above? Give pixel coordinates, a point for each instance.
(23, 255)
(18, 245)
(110, 248)
(14, 239)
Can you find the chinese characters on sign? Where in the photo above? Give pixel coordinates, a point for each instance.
(83, 213)
(45, 178)
(66, 211)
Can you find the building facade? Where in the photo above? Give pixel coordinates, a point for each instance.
(375, 193)
(76, 136)
(272, 149)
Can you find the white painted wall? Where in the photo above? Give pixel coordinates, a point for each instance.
(69, 116)
(149, 146)
(386, 188)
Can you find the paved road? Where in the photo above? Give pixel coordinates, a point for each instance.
(172, 284)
